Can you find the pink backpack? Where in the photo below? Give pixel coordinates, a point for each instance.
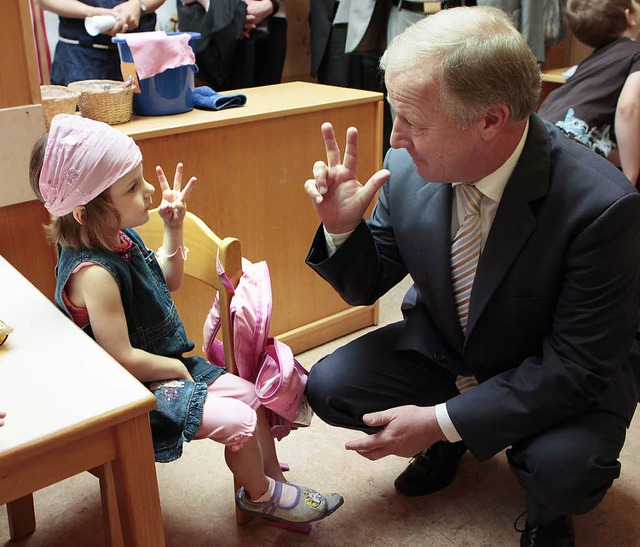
(279, 379)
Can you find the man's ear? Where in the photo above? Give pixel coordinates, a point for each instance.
(80, 214)
(493, 120)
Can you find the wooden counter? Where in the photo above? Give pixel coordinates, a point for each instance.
(555, 75)
(552, 79)
(251, 163)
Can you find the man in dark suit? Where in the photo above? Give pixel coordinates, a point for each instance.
(548, 329)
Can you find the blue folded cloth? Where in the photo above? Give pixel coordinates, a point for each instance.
(206, 98)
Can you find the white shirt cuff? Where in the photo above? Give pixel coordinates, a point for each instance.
(445, 423)
(335, 241)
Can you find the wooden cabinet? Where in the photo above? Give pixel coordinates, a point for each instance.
(251, 164)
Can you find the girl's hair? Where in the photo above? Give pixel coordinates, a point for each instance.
(100, 220)
(597, 23)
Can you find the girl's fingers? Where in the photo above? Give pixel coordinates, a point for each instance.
(177, 179)
(184, 195)
(164, 185)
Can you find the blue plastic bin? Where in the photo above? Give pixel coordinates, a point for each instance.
(170, 92)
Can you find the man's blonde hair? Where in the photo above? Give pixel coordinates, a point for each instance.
(480, 60)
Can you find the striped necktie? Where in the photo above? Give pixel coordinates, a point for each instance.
(465, 250)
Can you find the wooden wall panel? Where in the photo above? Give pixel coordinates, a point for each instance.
(23, 244)
(297, 65)
(19, 79)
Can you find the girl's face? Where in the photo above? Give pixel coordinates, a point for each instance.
(131, 196)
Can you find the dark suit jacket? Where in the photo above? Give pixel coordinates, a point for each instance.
(320, 21)
(556, 294)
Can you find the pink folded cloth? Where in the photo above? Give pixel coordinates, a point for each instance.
(155, 52)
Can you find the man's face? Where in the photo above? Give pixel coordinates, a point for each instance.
(440, 150)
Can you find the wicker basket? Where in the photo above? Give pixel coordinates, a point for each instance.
(58, 99)
(104, 100)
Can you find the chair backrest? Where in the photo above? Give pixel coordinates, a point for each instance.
(204, 247)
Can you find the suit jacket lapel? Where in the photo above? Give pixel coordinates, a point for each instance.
(436, 224)
(515, 220)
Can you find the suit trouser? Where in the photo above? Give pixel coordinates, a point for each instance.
(564, 470)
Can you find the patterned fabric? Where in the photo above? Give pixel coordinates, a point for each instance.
(465, 250)
(83, 158)
(585, 106)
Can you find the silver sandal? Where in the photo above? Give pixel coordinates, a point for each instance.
(309, 505)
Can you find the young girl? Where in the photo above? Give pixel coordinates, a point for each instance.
(89, 177)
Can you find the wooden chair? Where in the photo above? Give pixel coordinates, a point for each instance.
(204, 248)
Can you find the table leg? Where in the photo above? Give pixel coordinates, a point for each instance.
(22, 518)
(137, 486)
(110, 515)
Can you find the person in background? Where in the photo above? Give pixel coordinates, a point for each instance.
(404, 13)
(79, 56)
(244, 41)
(327, 36)
(89, 177)
(271, 49)
(599, 105)
(524, 251)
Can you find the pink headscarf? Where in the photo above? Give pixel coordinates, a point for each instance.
(83, 158)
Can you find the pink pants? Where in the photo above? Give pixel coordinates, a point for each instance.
(229, 412)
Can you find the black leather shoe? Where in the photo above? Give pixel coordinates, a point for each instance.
(558, 533)
(431, 470)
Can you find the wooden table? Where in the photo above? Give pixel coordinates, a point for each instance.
(552, 79)
(70, 408)
(251, 163)
(555, 75)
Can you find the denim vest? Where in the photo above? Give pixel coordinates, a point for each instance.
(154, 326)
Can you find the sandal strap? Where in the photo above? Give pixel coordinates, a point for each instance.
(274, 501)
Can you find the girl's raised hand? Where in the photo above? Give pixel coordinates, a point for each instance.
(174, 200)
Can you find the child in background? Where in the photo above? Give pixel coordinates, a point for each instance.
(89, 176)
(599, 105)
